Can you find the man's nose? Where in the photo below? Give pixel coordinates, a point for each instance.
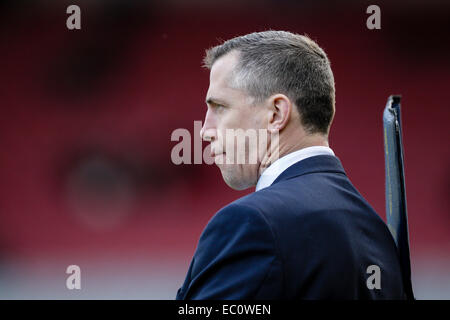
(208, 131)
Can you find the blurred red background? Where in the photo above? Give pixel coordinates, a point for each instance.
(86, 118)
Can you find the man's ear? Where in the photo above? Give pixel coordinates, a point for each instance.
(280, 112)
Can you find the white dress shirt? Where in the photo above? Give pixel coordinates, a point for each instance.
(275, 169)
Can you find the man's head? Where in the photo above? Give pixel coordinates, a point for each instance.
(276, 81)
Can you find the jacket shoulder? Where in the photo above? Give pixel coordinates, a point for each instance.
(235, 251)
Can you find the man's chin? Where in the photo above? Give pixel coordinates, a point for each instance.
(235, 181)
(237, 187)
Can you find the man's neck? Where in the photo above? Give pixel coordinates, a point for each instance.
(287, 146)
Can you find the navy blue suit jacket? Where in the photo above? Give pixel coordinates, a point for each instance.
(310, 235)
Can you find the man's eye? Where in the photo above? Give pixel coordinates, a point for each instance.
(218, 108)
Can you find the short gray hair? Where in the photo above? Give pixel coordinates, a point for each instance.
(273, 62)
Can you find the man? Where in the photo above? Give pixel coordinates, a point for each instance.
(306, 232)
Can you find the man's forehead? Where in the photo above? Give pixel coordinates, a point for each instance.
(223, 67)
(221, 73)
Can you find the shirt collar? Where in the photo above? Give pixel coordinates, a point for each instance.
(275, 169)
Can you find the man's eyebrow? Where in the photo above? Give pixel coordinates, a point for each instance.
(214, 101)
